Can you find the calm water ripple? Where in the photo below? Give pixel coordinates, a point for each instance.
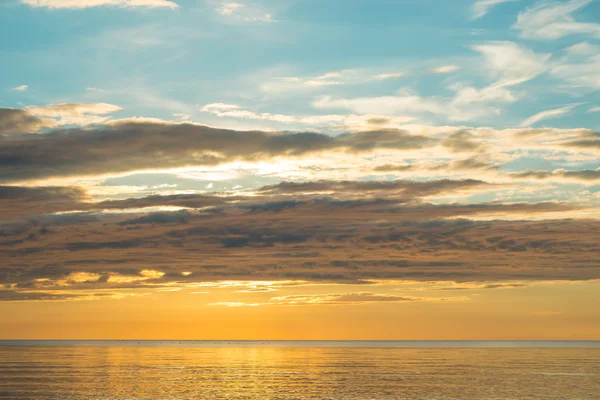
(154, 372)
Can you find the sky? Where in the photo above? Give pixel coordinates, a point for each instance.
(299, 169)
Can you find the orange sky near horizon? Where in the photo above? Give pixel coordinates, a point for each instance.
(537, 311)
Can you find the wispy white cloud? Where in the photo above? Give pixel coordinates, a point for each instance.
(468, 104)
(467, 95)
(482, 7)
(333, 78)
(229, 8)
(97, 3)
(553, 113)
(358, 298)
(383, 77)
(328, 79)
(553, 20)
(93, 89)
(511, 64)
(182, 116)
(21, 88)
(242, 12)
(267, 17)
(444, 69)
(594, 109)
(235, 111)
(347, 121)
(75, 113)
(582, 49)
(390, 105)
(579, 67)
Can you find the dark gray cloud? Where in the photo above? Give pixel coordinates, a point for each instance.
(17, 201)
(395, 168)
(180, 217)
(586, 140)
(486, 286)
(14, 121)
(12, 295)
(24, 201)
(467, 164)
(319, 239)
(583, 175)
(134, 145)
(178, 200)
(572, 138)
(405, 188)
(383, 139)
(472, 163)
(462, 142)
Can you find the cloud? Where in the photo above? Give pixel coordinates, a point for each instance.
(182, 116)
(35, 118)
(18, 200)
(235, 111)
(580, 67)
(241, 12)
(339, 298)
(462, 142)
(467, 96)
(327, 80)
(14, 121)
(383, 77)
(130, 145)
(229, 8)
(390, 105)
(340, 238)
(395, 168)
(586, 175)
(554, 20)
(335, 121)
(21, 88)
(591, 141)
(554, 113)
(444, 69)
(263, 18)
(179, 217)
(511, 64)
(482, 7)
(235, 304)
(559, 139)
(594, 109)
(31, 201)
(75, 113)
(482, 286)
(404, 188)
(79, 4)
(468, 164)
(357, 298)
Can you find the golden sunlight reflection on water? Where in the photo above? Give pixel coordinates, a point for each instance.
(29, 372)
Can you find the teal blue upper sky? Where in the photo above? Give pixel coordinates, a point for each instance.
(161, 58)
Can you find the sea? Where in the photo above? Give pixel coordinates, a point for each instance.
(303, 370)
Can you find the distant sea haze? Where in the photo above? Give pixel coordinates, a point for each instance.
(304, 370)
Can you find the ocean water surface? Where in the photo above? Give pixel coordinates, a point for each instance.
(132, 370)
